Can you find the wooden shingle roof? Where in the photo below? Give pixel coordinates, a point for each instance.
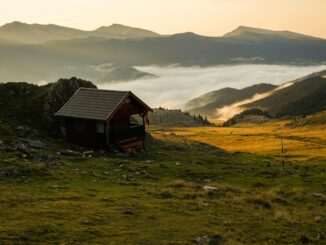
(95, 104)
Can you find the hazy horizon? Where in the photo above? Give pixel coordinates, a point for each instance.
(204, 17)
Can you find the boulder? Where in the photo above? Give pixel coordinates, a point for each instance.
(70, 153)
(60, 92)
(34, 143)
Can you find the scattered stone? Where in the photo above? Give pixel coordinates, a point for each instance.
(88, 154)
(107, 199)
(70, 153)
(177, 163)
(24, 156)
(125, 177)
(106, 173)
(320, 219)
(210, 188)
(319, 195)
(21, 147)
(34, 143)
(211, 240)
(132, 170)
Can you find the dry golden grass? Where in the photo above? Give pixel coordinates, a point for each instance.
(302, 143)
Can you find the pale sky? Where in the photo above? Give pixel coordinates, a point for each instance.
(206, 17)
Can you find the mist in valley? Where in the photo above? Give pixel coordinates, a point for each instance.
(174, 85)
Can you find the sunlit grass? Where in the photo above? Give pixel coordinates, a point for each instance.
(301, 143)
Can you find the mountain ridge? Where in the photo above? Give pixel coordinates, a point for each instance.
(41, 33)
(121, 31)
(23, 59)
(243, 31)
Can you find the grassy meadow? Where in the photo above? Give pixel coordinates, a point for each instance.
(192, 186)
(301, 143)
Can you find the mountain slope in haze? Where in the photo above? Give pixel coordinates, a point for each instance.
(208, 103)
(188, 50)
(122, 31)
(302, 98)
(37, 33)
(249, 32)
(122, 73)
(47, 72)
(41, 61)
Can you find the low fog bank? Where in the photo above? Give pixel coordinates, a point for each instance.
(176, 85)
(227, 112)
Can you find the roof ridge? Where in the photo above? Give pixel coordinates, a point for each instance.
(103, 90)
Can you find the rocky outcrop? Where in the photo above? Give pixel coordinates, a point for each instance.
(59, 93)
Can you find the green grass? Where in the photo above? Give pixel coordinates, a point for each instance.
(158, 197)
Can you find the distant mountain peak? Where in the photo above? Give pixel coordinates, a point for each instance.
(186, 35)
(246, 31)
(13, 24)
(128, 31)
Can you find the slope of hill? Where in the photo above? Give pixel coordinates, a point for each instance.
(176, 118)
(121, 73)
(16, 70)
(249, 32)
(302, 98)
(122, 31)
(208, 103)
(32, 105)
(37, 33)
(252, 115)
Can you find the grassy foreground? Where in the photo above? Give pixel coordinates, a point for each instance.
(193, 186)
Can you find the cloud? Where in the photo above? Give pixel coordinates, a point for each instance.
(229, 111)
(176, 85)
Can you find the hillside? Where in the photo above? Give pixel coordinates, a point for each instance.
(253, 115)
(250, 32)
(37, 33)
(46, 72)
(123, 32)
(54, 59)
(34, 106)
(302, 98)
(208, 103)
(176, 118)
